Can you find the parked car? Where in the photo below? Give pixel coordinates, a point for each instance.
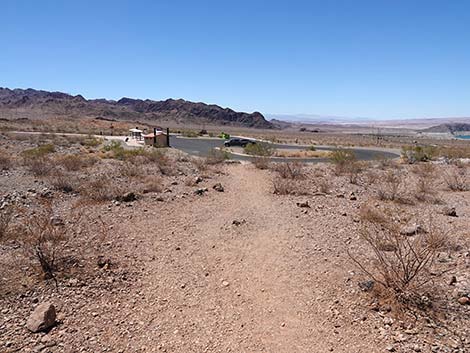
(238, 142)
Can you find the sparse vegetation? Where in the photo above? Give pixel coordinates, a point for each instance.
(290, 170)
(390, 188)
(414, 154)
(457, 180)
(342, 160)
(401, 264)
(259, 149)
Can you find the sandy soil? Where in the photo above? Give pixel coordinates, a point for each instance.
(242, 270)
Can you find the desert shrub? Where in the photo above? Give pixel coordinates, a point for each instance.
(399, 263)
(260, 149)
(311, 148)
(283, 187)
(39, 166)
(413, 154)
(424, 189)
(6, 217)
(189, 133)
(74, 162)
(342, 159)
(426, 170)
(101, 188)
(453, 153)
(43, 238)
(91, 141)
(456, 180)
(5, 160)
(131, 170)
(152, 183)
(353, 171)
(216, 156)
(261, 162)
(390, 188)
(290, 170)
(38, 152)
(323, 185)
(62, 182)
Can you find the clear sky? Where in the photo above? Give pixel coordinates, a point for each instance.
(368, 58)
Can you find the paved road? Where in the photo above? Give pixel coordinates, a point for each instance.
(202, 146)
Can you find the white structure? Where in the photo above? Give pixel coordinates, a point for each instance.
(136, 134)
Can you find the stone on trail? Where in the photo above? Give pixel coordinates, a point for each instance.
(218, 187)
(42, 318)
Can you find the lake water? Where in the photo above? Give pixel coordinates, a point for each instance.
(464, 137)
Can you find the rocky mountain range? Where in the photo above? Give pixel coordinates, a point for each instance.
(36, 103)
(451, 128)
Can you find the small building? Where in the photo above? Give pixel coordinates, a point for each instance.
(136, 133)
(157, 139)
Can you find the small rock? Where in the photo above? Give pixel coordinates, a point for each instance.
(352, 196)
(128, 197)
(464, 300)
(218, 187)
(198, 180)
(225, 283)
(42, 318)
(390, 348)
(303, 204)
(453, 281)
(367, 286)
(449, 211)
(412, 230)
(200, 191)
(237, 223)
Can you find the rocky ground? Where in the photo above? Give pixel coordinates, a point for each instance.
(187, 267)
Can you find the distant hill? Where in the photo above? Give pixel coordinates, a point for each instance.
(39, 104)
(451, 128)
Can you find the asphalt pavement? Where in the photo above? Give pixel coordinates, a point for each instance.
(202, 147)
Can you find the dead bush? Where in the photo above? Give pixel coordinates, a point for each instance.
(216, 156)
(261, 162)
(43, 236)
(283, 187)
(5, 160)
(390, 188)
(400, 263)
(39, 166)
(290, 170)
(74, 162)
(323, 185)
(152, 183)
(131, 170)
(425, 190)
(6, 216)
(63, 182)
(425, 170)
(353, 171)
(102, 188)
(456, 180)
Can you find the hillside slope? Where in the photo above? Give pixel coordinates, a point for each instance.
(49, 104)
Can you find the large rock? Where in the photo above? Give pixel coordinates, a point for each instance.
(42, 318)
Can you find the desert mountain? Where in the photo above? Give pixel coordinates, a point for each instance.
(449, 128)
(35, 103)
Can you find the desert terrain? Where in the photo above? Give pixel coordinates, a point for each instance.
(156, 250)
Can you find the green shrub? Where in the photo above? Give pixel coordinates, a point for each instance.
(413, 154)
(260, 149)
(311, 148)
(40, 151)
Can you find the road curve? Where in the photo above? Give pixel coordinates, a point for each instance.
(202, 146)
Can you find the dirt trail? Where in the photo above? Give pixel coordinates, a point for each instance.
(241, 288)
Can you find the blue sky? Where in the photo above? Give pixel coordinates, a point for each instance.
(368, 58)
